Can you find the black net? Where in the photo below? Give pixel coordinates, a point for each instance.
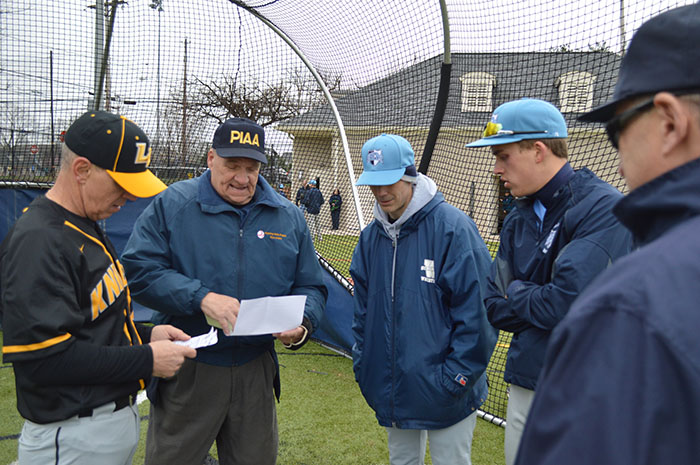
(322, 77)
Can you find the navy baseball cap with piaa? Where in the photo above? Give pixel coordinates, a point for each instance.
(663, 55)
(385, 159)
(240, 137)
(118, 146)
(527, 118)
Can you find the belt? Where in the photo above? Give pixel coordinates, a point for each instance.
(118, 405)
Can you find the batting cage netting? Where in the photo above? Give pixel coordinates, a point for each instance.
(322, 77)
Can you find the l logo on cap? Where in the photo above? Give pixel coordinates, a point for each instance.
(141, 155)
(374, 157)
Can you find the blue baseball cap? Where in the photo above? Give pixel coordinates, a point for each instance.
(662, 56)
(240, 137)
(527, 118)
(385, 159)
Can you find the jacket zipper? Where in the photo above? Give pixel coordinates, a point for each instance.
(394, 243)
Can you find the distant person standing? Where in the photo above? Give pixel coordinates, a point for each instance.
(335, 202)
(313, 199)
(280, 190)
(299, 200)
(507, 204)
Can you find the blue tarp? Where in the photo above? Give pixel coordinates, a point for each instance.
(335, 328)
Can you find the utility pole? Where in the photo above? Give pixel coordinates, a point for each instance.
(99, 51)
(184, 110)
(623, 41)
(101, 48)
(158, 6)
(53, 129)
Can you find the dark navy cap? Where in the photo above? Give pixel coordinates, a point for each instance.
(240, 137)
(117, 145)
(663, 55)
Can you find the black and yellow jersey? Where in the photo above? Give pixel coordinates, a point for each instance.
(64, 298)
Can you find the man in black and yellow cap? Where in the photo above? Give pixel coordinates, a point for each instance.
(77, 354)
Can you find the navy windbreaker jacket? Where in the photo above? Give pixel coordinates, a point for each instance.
(189, 242)
(422, 340)
(543, 272)
(620, 381)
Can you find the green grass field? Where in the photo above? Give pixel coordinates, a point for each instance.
(323, 419)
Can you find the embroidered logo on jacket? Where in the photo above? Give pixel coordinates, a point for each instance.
(429, 269)
(550, 238)
(461, 379)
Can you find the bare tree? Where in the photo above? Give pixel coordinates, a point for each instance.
(13, 136)
(229, 96)
(168, 149)
(212, 102)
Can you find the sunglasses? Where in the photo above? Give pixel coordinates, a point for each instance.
(619, 122)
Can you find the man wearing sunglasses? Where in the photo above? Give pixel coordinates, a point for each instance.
(620, 381)
(560, 236)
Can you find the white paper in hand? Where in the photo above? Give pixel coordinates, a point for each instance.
(203, 340)
(268, 315)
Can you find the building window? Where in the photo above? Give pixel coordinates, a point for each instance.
(477, 91)
(575, 91)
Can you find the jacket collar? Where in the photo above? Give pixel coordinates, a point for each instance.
(210, 201)
(547, 193)
(662, 203)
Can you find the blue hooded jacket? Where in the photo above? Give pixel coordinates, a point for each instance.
(189, 241)
(422, 340)
(541, 273)
(621, 376)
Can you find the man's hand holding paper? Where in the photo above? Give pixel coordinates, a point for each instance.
(221, 311)
(279, 316)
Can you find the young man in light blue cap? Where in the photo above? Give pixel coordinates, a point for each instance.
(422, 339)
(560, 236)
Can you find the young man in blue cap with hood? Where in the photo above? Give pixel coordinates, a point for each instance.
(422, 340)
(621, 376)
(560, 236)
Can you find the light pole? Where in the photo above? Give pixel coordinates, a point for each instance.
(158, 6)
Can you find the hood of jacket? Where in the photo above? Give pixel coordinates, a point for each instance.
(424, 191)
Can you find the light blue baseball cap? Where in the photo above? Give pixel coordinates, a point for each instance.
(385, 159)
(522, 119)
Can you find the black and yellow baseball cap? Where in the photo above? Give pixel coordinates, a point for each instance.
(117, 145)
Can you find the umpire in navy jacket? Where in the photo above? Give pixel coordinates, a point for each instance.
(621, 376)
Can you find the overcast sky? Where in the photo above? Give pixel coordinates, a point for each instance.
(361, 40)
